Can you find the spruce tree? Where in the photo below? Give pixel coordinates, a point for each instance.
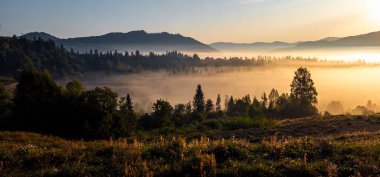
(218, 102)
(199, 100)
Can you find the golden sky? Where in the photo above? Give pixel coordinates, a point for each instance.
(205, 20)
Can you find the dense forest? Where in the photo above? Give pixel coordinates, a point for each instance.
(18, 53)
(40, 105)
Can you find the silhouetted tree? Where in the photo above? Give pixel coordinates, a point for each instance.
(302, 87)
(264, 101)
(241, 107)
(199, 100)
(196, 57)
(162, 113)
(255, 108)
(99, 107)
(209, 106)
(273, 96)
(303, 95)
(335, 107)
(230, 106)
(35, 100)
(179, 114)
(126, 121)
(218, 102)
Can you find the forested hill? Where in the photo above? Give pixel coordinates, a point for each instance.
(19, 53)
(131, 41)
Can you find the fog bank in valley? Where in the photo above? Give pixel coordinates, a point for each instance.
(352, 86)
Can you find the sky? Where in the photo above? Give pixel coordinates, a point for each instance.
(208, 21)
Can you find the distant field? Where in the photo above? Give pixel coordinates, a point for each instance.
(334, 146)
(313, 126)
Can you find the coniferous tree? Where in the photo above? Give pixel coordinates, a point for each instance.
(264, 101)
(127, 119)
(273, 96)
(230, 106)
(209, 106)
(199, 100)
(218, 102)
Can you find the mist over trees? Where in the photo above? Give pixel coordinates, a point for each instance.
(40, 105)
(18, 53)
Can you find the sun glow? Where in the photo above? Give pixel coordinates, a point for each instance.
(373, 8)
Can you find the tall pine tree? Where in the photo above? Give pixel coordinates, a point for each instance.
(199, 100)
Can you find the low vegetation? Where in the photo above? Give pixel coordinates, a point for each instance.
(28, 154)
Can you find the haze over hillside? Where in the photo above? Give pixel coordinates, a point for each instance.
(131, 41)
(364, 40)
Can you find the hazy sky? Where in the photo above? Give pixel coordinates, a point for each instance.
(206, 20)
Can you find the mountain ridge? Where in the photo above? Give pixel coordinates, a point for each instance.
(133, 40)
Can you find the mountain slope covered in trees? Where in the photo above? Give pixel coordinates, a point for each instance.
(131, 41)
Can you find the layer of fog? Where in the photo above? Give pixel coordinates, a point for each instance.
(350, 86)
(348, 54)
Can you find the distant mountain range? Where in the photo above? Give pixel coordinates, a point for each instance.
(364, 40)
(131, 41)
(250, 47)
(161, 42)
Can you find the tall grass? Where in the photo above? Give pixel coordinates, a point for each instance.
(26, 154)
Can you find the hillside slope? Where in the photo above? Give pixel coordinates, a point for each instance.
(352, 154)
(313, 126)
(130, 41)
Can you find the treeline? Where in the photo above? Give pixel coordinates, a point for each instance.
(18, 53)
(40, 105)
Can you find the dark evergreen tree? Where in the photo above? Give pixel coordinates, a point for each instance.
(218, 102)
(126, 121)
(264, 101)
(179, 114)
(273, 96)
(230, 106)
(209, 106)
(199, 100)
